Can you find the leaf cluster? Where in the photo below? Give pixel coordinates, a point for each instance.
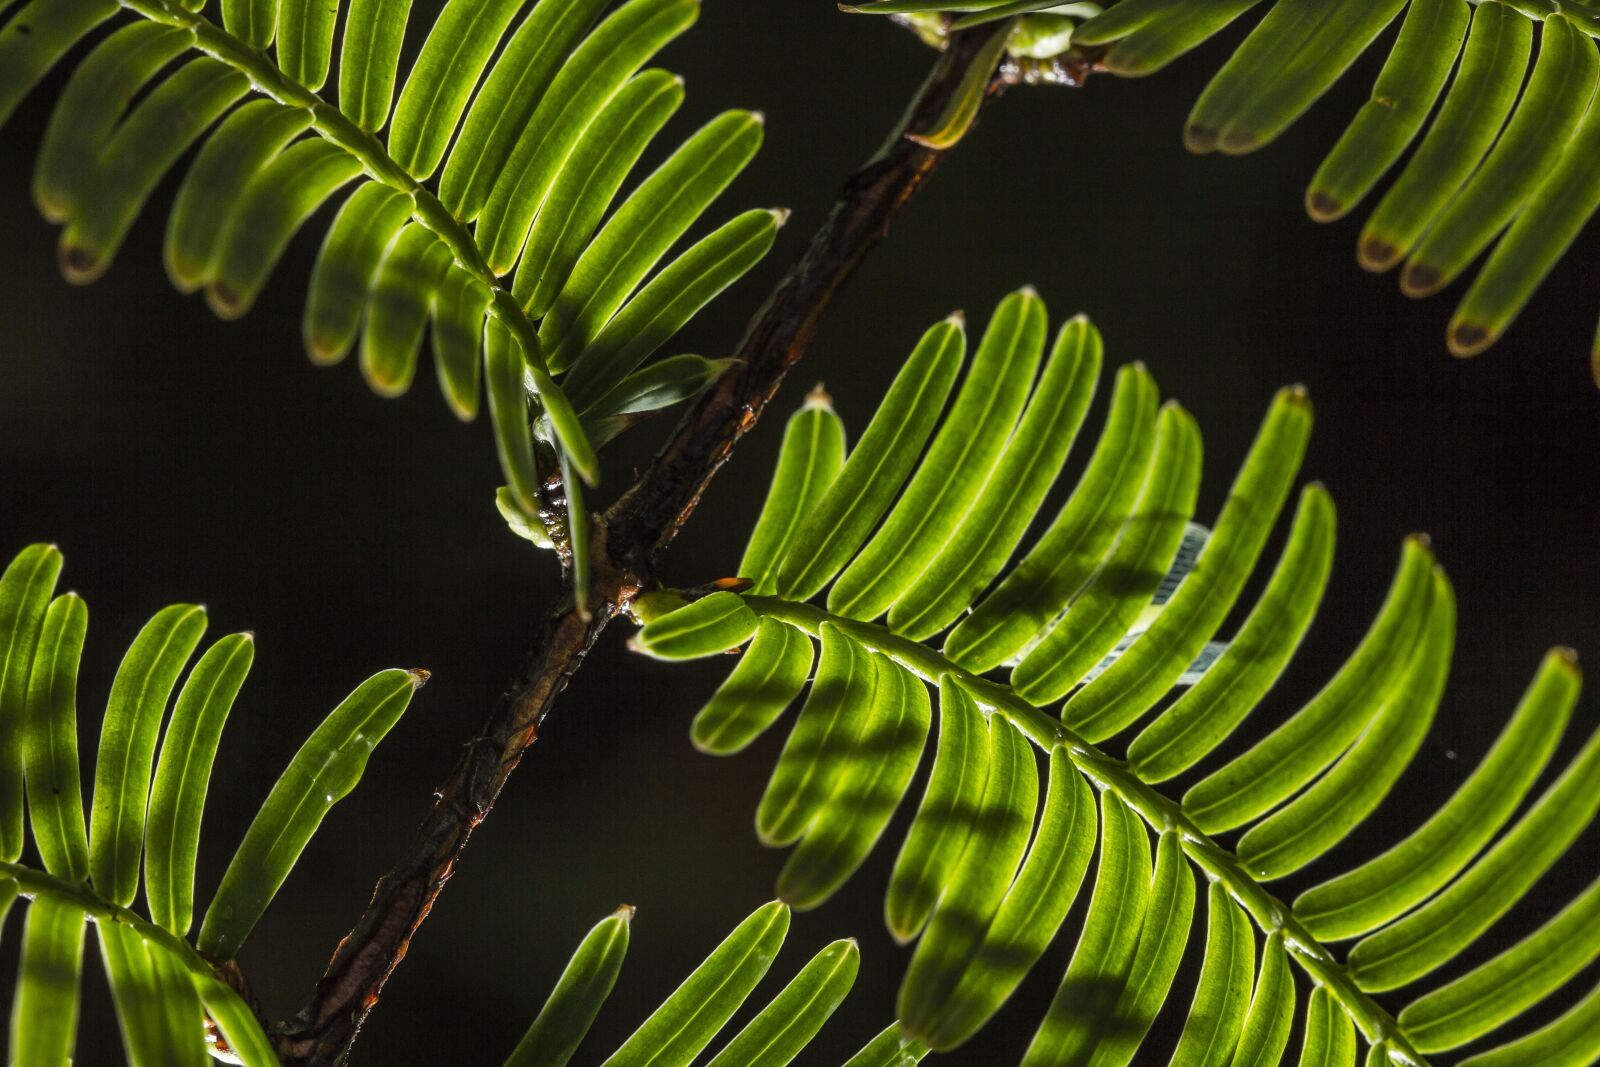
(1108, 632)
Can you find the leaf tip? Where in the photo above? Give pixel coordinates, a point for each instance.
(80, 265)
(224, 301)
(1322, 206)
(780, 216)
(819, 397)
(624, 913)
(1200, 138)
(1467, 339)
(419, 677)
(1376, 254)
(1420, 280)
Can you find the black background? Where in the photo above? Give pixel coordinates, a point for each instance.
(176, 457)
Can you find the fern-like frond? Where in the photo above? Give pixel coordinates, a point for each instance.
(150, 786)
(1107, 632)
(484, 218)
(690, 1019)
(1508, 164)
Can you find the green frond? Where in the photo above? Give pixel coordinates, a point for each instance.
(1115, 616)
(691, 1018)
(152, 773)
(482, 218)
(1506, 165)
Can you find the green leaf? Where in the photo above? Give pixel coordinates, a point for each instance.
(323, 772)
(1162, 939)
(1038, 588)
(1556, 98)
(1549, 222)
(411, 271)
(137, 994)
(891, 1048)
(588, 78)
(712, 624)
(876, 773)
(128, 734)
(237, 1023)
(769, 676)
(50, 742)
(578, 527)
(304, 33)
(159, 129)
(1204, 716)
(576, 1000)
(811, 457)
(1290, 59)
(967, 97)
(37, 36)
(459, 307)
(1081, 1013)
(784, 1027)
(44, 1015)
(946, 818)
(1222, 998)
(1568, 1042)
(1014, 491)
(670, 299)
(1485, 87)
(369, 59)
(950, 477)
(254, 21)
(1389, 885)
(1496, 992)
(691, 1017)
(1106, 610)
(504, 371)
(977, 884)
(1148, 34)
(1330, 1039)
(818, 747)
(436, 91)
(1343, 798)
(282, 195)
(24, 600)
(588, 181)
(560, 416)
(89, 108)
(660, 385)
(347, 266)
(1033, 909)
(1405, 92)
(1271, 1015)
(505, 105)
(834, 528)
(183, 1022)
(246, 141)
(528, 527)
(1448, 923)
(641, 230)
(178, 797)
(1127, 689)
(1274, 768)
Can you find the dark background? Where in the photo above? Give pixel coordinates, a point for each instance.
(176, 457)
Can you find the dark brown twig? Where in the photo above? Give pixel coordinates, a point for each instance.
(627, 541)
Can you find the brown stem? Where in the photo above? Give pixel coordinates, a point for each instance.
(626, 543)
